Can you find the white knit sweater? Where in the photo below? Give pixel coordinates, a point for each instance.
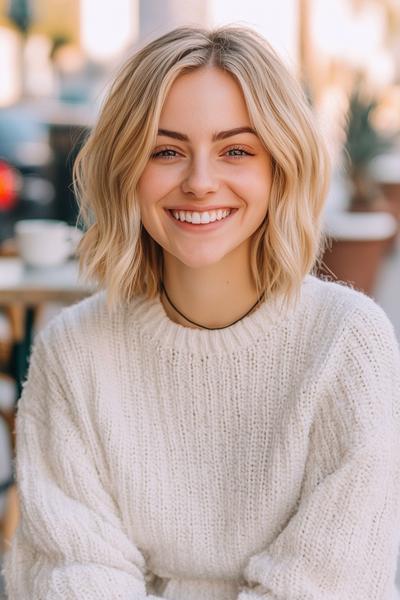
(259, 461)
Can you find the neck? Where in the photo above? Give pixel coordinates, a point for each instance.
(213, 297)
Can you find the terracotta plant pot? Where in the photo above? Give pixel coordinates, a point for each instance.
(385, 170)
(392, 194)
(380, 204)
(357, 244)
(355, 261)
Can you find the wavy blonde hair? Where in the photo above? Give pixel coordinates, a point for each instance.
(116, 251)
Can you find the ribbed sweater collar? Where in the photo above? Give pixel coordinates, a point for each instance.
(150, 318)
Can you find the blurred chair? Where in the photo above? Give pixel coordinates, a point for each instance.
(14, 315)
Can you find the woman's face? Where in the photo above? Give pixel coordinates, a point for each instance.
(201, 165)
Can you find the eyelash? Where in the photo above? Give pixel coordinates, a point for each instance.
(159, 152)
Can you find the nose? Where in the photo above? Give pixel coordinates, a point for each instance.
(200, 178)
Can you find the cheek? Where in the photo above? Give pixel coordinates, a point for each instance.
(145, 184)
(253, 183)
(255, 193)
(149, 191)
(154, 184)
(262, 188)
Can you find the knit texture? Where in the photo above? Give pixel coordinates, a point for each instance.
(259, 461)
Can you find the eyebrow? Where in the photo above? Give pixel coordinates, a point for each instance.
(221, 135)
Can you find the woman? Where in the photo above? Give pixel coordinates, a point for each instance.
(215, 422)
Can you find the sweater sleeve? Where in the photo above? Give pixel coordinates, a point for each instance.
(342, 541)
(70, 541)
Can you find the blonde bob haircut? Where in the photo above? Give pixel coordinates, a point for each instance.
(115, 250)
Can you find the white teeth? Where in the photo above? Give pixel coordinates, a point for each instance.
(198, 218)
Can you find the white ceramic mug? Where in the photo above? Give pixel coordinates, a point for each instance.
(45, 242)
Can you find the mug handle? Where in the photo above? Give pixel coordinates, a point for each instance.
(74, 236)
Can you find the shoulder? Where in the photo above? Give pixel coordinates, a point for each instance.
(346, 308)
(360, 378)
(65, 346)
(76, 322)
(68, 349)
(82, 337)
(348, 329)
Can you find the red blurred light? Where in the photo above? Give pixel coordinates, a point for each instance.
(8, 186)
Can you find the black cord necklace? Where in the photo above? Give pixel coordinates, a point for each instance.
(203, 326)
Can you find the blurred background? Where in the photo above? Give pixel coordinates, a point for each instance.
(57, 58)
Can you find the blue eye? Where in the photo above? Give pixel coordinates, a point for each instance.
(169, 153)
(161, 154)
(238, 149)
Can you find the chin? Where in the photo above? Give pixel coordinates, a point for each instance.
(199, 262)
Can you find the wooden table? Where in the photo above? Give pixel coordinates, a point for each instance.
(23, 297)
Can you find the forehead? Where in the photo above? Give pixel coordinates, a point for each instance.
(205, 97)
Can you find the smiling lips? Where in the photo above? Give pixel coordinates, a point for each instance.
(200, 218)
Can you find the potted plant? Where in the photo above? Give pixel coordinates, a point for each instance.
(359, 238)
(386, 173)
(363, 143)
